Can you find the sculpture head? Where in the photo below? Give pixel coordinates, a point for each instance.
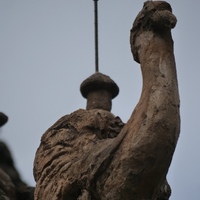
(158, 19)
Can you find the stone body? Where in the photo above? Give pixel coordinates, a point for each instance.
(92, 155)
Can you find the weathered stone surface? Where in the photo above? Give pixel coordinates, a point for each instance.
(89, 154)
(72, 153)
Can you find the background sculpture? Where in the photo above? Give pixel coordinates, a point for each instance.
(90, 154)
(11, 185)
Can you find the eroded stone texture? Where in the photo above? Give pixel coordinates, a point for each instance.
(92, 155)
(72, 152)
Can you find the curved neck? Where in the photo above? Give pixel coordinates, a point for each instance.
(160, 87)
(151, 134)
(157, 112)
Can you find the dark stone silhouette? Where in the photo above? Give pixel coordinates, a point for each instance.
(3, 119)
(11, 185)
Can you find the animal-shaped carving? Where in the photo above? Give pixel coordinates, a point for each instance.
(91, 155)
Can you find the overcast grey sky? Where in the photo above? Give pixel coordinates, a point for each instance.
(47, 50)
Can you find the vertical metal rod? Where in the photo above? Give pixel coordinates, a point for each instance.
(96, 35)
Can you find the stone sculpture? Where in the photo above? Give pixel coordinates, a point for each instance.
(11, 185)
(91, 155)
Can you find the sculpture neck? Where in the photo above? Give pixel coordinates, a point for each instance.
(158, 66)
(159, 101)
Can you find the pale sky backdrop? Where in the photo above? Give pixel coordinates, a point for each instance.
(47, 50)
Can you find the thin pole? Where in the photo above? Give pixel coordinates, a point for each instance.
(96, 35)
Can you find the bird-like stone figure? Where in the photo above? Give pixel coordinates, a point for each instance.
(92, 155)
